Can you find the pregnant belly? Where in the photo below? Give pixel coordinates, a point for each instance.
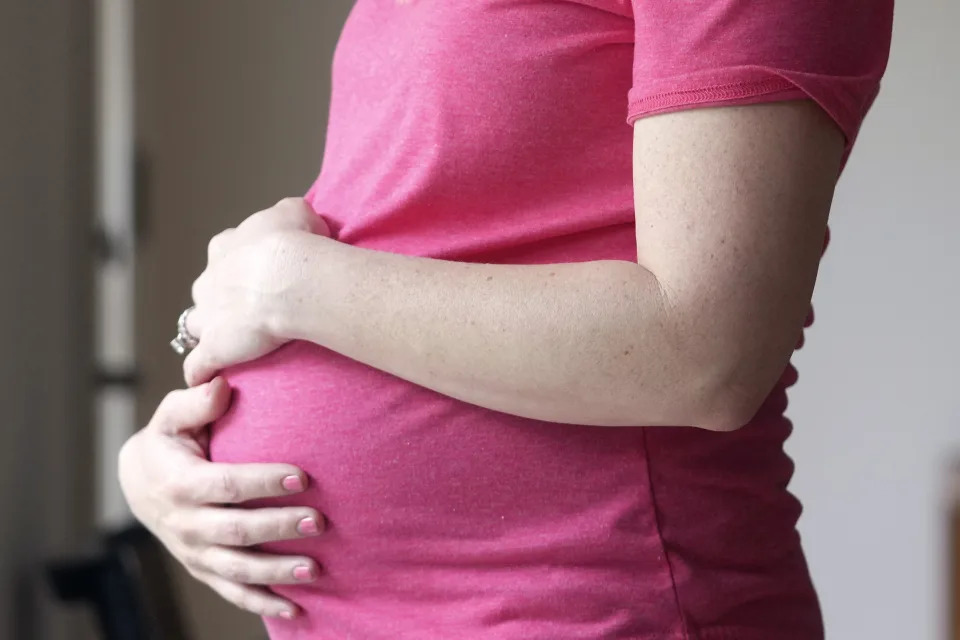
(441, 513)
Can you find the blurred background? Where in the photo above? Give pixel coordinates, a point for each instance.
(133, 131)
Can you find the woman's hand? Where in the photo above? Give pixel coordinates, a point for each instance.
(242, 288)
(180, 496)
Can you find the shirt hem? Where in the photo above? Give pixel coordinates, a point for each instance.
(733, 633)
(743, 92)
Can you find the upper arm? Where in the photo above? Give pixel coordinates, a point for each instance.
(744, 114)
(731, 211)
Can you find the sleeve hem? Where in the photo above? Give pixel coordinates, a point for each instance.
(768, 89)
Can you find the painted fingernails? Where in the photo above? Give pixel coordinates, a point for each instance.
(308, 527)
(303, 574)
(293, 484)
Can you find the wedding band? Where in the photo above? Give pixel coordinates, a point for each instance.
(184, 341)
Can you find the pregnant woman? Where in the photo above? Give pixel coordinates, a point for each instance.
(516, 366)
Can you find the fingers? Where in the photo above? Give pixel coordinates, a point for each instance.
(195, 322)
(198, 289)
(222, 483)
(244, 528)
(193, 409)
(200, 365)
(253, 567)
(253, 599)
(220, 245)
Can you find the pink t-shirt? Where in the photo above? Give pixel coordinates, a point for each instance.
(493, 131)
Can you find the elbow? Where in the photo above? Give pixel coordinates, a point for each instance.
(727, 414)
(728, 403)
(729, 380)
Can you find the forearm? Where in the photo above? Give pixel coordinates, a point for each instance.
(731, 208)
(586, 343)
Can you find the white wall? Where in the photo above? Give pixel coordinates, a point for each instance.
(877, 408)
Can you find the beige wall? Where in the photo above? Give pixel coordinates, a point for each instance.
(232, 108)
(45, 453)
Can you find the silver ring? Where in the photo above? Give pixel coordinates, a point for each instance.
(184, 341)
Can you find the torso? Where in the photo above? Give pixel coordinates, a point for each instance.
(494, 131)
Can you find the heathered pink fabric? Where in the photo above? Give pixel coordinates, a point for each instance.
(493, 131)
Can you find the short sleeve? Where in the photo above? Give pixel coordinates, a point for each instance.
(691, 53)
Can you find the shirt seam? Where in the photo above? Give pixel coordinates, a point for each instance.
(715, 93)
(685, 631)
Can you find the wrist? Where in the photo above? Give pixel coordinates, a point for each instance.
(299, 265)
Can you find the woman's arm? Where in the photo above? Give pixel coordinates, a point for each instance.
(731, 209)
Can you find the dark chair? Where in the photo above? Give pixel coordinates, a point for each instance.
(128, 586)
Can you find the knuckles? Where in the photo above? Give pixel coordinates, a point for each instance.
(234, 534)
(228, 488)
(195, 562)
(176, 490)
(236, 571)
(187, 534)
(298, 211)
(292, 202)
(198, 288)
(215, 246)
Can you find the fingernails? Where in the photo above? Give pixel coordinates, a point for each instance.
(303, 574)
(288, 615)
(293, 483)
(308, 527)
